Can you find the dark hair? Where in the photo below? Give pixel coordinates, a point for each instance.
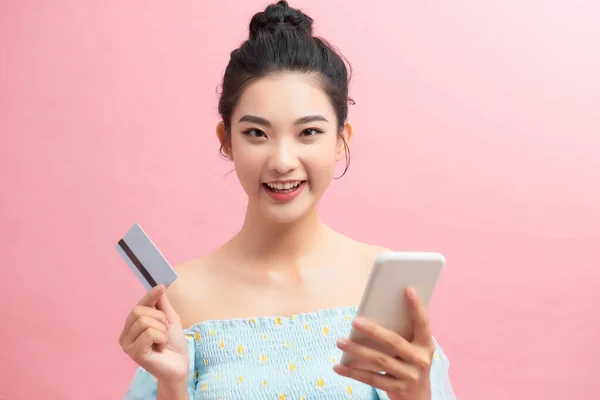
(281, 39)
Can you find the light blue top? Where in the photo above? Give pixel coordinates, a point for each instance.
(276, 358)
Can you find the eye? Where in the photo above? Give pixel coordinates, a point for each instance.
(255, 133)
(310, 132)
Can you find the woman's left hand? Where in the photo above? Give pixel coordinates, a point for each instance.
(406, 375)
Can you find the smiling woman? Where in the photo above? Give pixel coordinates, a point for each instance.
(284, 130)
(257, 318)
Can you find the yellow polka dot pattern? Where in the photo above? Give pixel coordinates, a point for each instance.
(274, 358)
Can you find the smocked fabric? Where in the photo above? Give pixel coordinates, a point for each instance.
(276, 358)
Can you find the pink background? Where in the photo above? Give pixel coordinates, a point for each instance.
(477, 135)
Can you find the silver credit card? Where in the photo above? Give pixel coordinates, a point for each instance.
(144, 259)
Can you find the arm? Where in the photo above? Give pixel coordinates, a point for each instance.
(145, 387)
(441, 387)
(414, 370)
(175, 391)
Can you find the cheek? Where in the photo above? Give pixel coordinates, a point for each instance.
(247, 165)
(321, 164)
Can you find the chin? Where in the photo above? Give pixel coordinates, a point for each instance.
(285, 214)
(273, 210)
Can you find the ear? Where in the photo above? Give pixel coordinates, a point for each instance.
(346, 134)
(224, 140)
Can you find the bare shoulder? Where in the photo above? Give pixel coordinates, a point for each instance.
(365, 252)
(192, 288)
(372, 251)
(188, 274)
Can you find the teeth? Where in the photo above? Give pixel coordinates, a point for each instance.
(284, 186)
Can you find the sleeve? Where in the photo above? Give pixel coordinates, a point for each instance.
(144, 386)
(441, 387)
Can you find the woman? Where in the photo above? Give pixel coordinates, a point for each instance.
(265, 315)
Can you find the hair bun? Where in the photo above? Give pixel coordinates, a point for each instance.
(280, 16)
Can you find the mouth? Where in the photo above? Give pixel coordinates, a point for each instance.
(282, 187)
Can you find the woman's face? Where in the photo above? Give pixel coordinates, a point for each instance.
(284, 144)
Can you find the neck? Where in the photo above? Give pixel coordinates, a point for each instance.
(261, 238)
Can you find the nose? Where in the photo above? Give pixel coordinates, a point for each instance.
(283, 158)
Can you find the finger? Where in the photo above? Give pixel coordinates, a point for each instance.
(391, 340)
(152, 296)
(141, 311)
(160, 347)
(420, 318)
(144, 344)
(383, 362)
(374, 379)
(142, 324)
(163, 304)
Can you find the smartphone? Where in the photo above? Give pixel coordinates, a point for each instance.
(384, 299)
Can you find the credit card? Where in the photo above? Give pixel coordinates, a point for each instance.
(144, 259)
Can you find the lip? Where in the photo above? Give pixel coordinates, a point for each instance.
(285, 197)
(286, 181)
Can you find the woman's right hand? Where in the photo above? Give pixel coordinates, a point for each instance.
(153, 337)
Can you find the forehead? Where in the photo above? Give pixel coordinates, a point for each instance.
(283, 97)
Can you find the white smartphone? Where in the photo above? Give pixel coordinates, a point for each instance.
(384, 298)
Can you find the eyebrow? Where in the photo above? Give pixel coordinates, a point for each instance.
(300, 121)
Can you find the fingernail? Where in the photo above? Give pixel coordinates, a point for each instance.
(411, 293)
(359, 322)
(342, 342)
